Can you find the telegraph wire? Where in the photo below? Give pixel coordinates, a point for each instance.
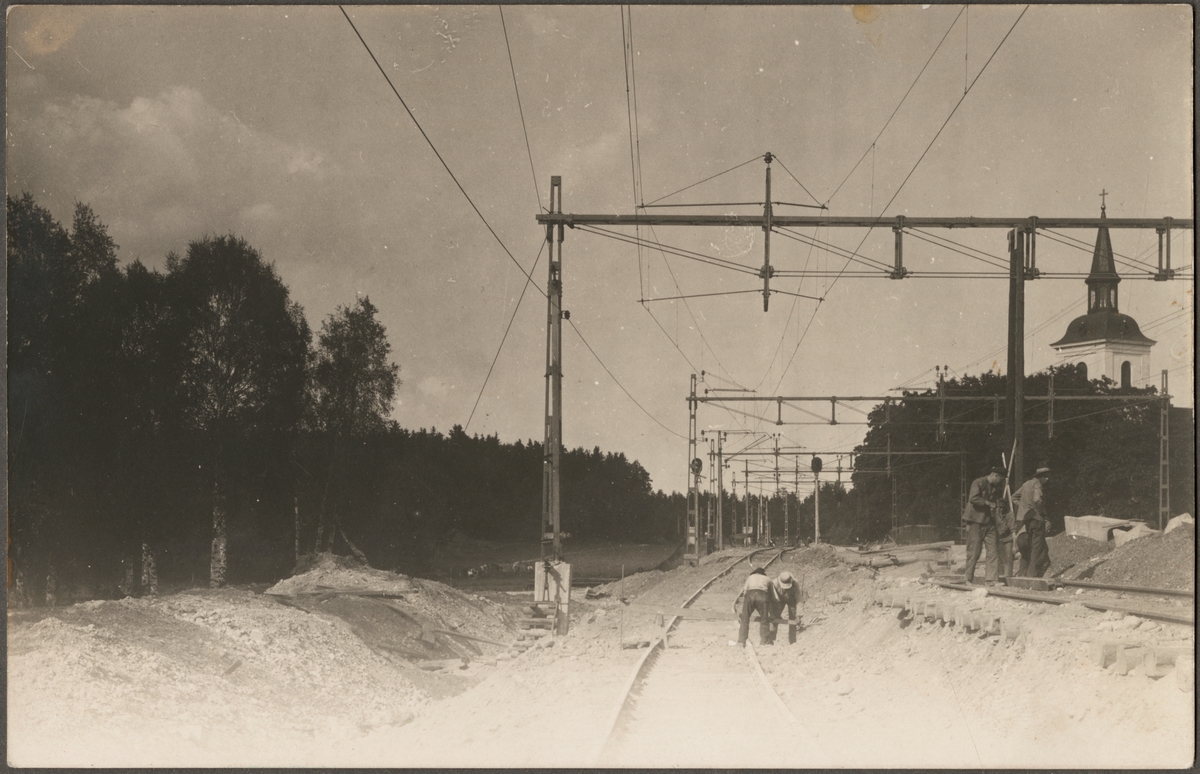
(629, 108)
(433, 147)
(637, 129)
(901, 102)
(635, 152)
(520, 110)
(937, 134)
(674, 343)
(504, 338)
(618, 382)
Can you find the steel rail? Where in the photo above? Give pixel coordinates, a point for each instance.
(646, 663)
(1132, 589)
(1026, 597)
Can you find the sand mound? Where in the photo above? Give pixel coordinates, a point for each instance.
(330, 571)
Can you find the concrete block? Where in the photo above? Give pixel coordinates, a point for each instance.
(1123, 536)
(1010, 629)
(1158, 661)
(1094, 527)
(1127, 658)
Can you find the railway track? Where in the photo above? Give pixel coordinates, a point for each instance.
(692, 700)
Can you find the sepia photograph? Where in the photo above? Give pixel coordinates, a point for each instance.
(791, 386)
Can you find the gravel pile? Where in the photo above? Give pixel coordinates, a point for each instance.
(1166, 561)
(815, 556)
(1066, 551)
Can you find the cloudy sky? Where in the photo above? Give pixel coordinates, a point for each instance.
(274, 123)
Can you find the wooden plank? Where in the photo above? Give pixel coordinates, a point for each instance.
(443, 663)
(915, 547)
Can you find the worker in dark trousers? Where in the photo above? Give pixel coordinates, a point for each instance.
(785, 595)
(757, 591)
(1031, 521)
(985, 516)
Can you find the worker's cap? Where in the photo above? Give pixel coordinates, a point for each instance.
(758, 571)
(1042, 470)
(785, 579)
(998, 471)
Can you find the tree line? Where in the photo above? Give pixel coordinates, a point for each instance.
(187, 424)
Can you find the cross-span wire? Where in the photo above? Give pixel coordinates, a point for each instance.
(705, 180)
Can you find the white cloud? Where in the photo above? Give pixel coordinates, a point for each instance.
(161, 170)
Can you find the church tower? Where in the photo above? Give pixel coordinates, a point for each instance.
(1105, 341)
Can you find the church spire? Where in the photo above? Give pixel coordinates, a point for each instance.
(1103, 279)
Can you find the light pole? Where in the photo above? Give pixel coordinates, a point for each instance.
(816, 469)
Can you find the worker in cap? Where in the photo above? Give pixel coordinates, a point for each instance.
(757, 593)
(986, 517)
(1032, 523)
(785, 594)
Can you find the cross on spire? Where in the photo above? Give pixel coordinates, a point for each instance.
(1103, 193)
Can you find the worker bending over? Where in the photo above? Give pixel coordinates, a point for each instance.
(757, 591)
(785, 593)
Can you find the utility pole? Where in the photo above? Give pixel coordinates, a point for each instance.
(691, 545)
(1022, 265)
(816, 469)
(1164, 456)
(552, 448)
(796, 487)
(720, 490)
(747, 522)
(766, 272)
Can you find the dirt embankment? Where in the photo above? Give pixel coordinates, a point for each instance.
(232, 677)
